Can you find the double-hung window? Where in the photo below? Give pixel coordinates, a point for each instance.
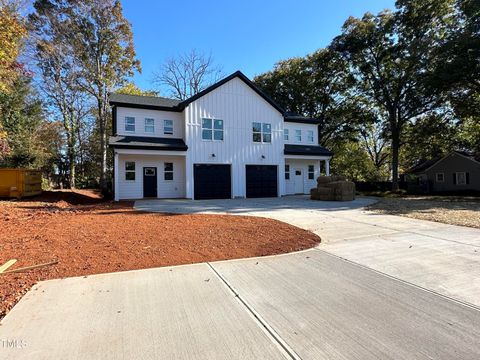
(168, 127)
(149, 125)
(439, 177)
(168, 171)
(130, 170)
(460, 178)
(310, 136)
(212, 129)
(298, 135)
(262, 132)
(311, 172)
(287, 172)
(129, 124)
(285, 134)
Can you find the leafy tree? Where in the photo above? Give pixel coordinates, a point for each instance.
(316, 86)
(103, 45)
(389, 55)
(23, 119)
(352, 161)
(59, 76)
(132, 89)
(12, 33)
(187, 74)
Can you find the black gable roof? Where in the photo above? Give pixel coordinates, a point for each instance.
(162, 103)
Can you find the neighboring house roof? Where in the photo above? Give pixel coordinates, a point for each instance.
(427, 164)
(161, 103)
(147, 143)
(306, 150)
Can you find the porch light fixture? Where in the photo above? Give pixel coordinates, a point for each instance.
(263, 156)
(213, 155)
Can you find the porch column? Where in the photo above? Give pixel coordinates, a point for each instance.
(115, 176)
(327, 167)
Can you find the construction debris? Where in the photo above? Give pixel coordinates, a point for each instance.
(54, 262)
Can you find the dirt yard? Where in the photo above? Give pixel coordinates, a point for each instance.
(89, 236)
(464, 211)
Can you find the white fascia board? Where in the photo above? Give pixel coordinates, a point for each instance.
(150, 152)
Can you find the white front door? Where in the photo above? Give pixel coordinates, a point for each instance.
(298, 181)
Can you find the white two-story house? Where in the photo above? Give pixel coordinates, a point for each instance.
(230, 140)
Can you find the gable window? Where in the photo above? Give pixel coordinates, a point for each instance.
(212, 129)
(310, 136)
(168, 171)
(298, 135)
(311, 172)
(149, 125)
(460, 178)
(130, 124)
(287, 172)
(262, 132)
(285, 134)
(440, 177)
(168, 127)
(130, 170)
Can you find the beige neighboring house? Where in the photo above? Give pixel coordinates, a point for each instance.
(457, 171)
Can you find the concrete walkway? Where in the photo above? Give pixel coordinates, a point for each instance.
(443, 258)
(306, 305)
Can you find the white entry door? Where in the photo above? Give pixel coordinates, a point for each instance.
(298, 181)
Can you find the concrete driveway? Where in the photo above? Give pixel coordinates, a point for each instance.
(439, 257)
(306, 305)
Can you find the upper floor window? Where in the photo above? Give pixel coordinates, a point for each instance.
(130, 170)
(262, 132)
(311, 172)
(149, 125)
(168, 127)
(212, 129)
(310, 136)
(298, 135)
(130, 124)
(285, 134)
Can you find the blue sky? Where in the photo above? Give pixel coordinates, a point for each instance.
(246, 35)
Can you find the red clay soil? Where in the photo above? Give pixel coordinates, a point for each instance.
(89, 236)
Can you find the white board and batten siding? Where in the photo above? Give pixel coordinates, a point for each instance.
(133, 189)
(301, 165)
(141, 114)
(238, 106)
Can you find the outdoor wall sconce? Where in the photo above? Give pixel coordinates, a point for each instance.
(213, 155)
(263, 156)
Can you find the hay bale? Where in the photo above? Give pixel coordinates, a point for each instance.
(323, 180)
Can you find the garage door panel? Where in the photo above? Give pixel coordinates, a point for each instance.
(212, 181)
(261, 181)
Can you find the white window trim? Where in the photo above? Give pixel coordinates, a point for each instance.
(310, 172)
(164, 127)
(169, 171)
(213, 130)
(464, 177)
(286, 134)
(152, 126)
(134, 171)
(296, 135)
(443, 177)
(312, 138)
(134, 124)
(261, 133)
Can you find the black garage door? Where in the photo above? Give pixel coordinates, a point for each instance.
(212, 181)
(261, 181)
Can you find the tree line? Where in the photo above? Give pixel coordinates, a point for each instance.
(391, 89)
